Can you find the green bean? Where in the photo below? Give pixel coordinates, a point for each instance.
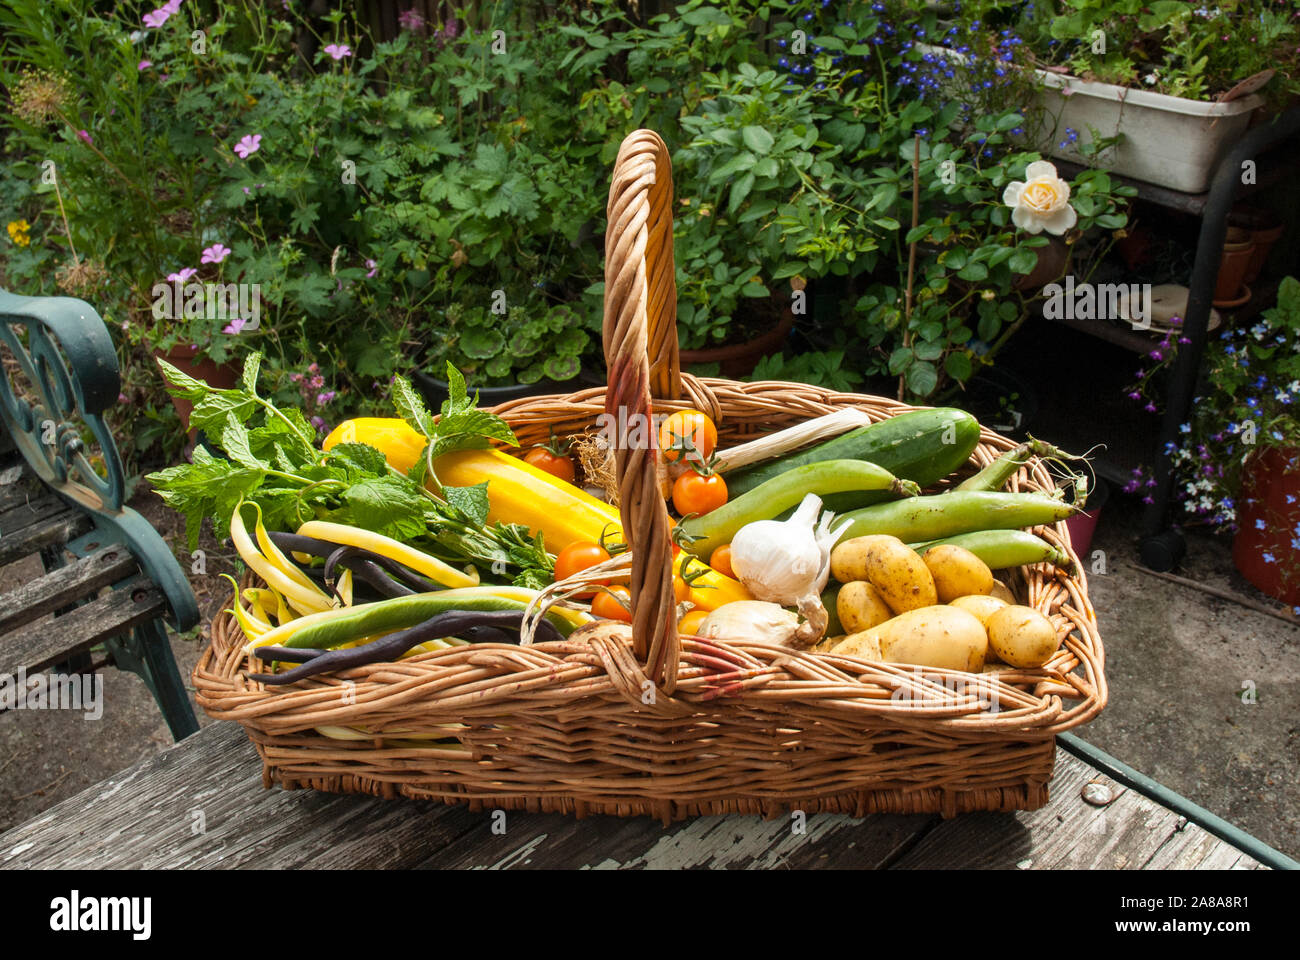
(997, 473)
(1003, 548)
(935, 517)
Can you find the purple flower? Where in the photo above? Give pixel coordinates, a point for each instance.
(234, 326)
(215, 254)
(319, 424)
(1150, 408)
(338, 51)
(1135, 395)
(248, 145)
(144, 65)
(452, 28)
(85, 136)
(374, 268)
(182, 276)
(324, 398)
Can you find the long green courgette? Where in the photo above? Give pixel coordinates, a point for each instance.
(922, 446)
(769, 499)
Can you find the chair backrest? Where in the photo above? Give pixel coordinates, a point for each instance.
(60, 377)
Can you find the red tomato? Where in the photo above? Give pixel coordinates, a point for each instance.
(720, 560)
(693, 493)
(552, 463)
(687, 433)
(606, 606)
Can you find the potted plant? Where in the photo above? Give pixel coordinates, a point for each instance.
(1164, 86)
(1175, 82)
(1238, 467)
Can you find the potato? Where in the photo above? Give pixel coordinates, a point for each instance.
(1022, 637)
(1002, 592)
(957, 572)
(861, 607)
(935, 636)
(980, 605)
(891, 566)
(826, 644)
(849, 559)
(864, 645)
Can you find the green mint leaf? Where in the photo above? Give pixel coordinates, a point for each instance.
(182, 384)
(457, 396)
(248, 379)
(387, 505)
(359, 458)
(217, 407)
(470, 502)
(418, 469)
(234, 439)
(411, 407)
(471, 429)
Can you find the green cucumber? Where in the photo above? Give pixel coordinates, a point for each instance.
(936, 517)
(828, 477)
(1000, 549)
(922, 446)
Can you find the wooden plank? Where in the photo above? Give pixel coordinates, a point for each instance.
(18, 485)
(24, 514)
(57, 529)
(43, 644)
(1066, 834)
(65, 586)
(201, 804)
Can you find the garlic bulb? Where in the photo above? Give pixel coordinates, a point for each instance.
(788, 562)
(751, 620)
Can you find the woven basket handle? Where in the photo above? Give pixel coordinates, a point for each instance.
(640, 337)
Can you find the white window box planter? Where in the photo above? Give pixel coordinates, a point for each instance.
(1169, 141)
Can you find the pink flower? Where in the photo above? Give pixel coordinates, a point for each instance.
(316, 382)
(338, 51)
(234, 326)
(144, 65)
(374, 268)
(157, 18)
(452, 28)
(324, 398)
(182, 276)
(410, 20)
(85, 136)
(248, 145)
(215, 254)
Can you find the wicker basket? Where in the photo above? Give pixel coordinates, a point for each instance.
(730, 727)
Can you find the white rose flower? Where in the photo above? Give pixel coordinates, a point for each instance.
(1041, 202)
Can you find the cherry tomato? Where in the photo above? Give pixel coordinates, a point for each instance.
(681, 589)
(690, 623)
(552, 463)
(697, 494)
(687, 433)
(606, 605)
(720, 560)
(577, 557)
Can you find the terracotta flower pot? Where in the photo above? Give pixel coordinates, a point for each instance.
(1051, 265)
(1263, 240)
(1237, 253)
(737, 360)
(1268, 513)
(187, 359)
(1083, 525)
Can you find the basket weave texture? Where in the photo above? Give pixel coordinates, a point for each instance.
(663, 725)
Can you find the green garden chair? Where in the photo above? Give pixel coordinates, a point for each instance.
(110, 580)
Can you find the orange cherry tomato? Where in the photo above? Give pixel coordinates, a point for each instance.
(578, 556)
(693, 493)
(681, 589)
(606, 605)
(687, 433)
(554, 464)
(720, 560)
(690, 623)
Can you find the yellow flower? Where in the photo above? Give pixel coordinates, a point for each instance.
(18, 232)
(1040, 202)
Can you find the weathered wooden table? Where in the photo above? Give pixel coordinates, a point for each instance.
(201, 804)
